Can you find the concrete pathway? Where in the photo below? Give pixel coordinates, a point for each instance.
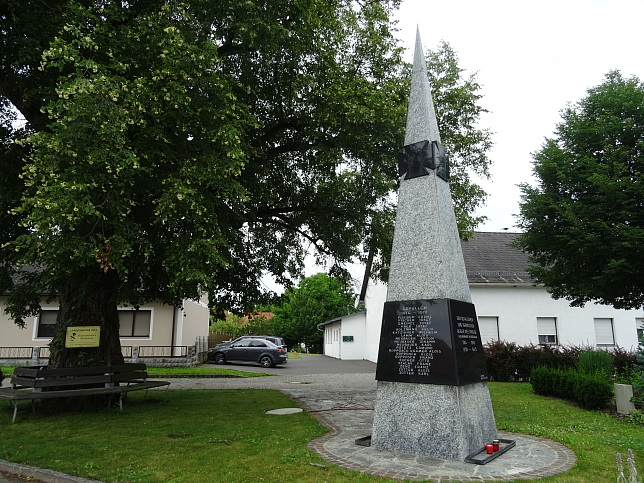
(343, 400)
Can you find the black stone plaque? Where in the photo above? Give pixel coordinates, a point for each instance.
(434, 341)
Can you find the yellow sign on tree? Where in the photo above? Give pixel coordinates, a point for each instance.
(83, 336)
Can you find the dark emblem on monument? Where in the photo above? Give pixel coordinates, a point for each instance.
(415, 159)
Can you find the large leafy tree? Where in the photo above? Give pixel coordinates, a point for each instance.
(185, 148)
(316, 299)
(181, 148)
(584, 220)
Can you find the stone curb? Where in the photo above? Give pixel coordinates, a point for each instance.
(41, 475)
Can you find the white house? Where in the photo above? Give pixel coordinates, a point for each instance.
(508, 305)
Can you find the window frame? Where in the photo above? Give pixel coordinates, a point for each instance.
(37, 324)
(134, 312)
(603, 330)
(547, 327)
(489, 319)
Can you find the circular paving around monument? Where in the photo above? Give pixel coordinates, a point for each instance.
(531, 458)
(349, 415)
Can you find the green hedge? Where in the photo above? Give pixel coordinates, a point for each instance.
(591, 391)
(509, 362)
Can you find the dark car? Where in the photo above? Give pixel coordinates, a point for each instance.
(261, 351)
(278, 341)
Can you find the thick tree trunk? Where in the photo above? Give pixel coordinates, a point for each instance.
(88, 299)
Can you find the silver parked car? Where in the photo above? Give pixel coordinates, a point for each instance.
(278, 341)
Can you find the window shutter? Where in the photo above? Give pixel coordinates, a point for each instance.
(489, 328)
(604, 332)
(546, 326)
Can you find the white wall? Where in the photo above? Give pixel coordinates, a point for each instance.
(517, 309)
(195, 321)
(375, 302)
(332, 339)
(355, 326)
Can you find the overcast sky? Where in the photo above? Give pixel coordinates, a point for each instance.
(531, 59)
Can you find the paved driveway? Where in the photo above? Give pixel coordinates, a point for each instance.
(308, 364)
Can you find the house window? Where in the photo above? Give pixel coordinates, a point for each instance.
(328, 336)
(640, 330)
(604, 334)
(134, 323)
(46, 324)
(547, 330)
(489, 329)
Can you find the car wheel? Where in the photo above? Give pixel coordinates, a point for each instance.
(220, 358)
(266, 361)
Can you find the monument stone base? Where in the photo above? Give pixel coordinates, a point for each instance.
(443, 422)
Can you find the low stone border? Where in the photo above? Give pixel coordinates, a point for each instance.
(39, 474)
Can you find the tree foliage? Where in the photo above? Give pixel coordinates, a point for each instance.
(584, 221)
(178, 148)
(458, 111)
(316, 299)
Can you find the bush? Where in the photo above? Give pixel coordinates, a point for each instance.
(1, 377)
(501, 361)
(593, 391)
(638, 386)
(541, 380)
(623, 362)
(547, 381)
(590, 391)
(507, 362)
(596, 362)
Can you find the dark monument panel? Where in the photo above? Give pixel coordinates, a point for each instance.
(468, 348)
(430, 342)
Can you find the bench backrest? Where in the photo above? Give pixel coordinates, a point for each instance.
(40, 376)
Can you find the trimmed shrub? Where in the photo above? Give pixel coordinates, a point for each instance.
(547, 381)
(541, 380)
(593, 391)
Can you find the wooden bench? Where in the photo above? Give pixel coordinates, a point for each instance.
(38, 382)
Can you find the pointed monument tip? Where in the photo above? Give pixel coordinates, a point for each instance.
(421, 116)
(419, 44)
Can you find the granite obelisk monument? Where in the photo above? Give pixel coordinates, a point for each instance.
(432, 397)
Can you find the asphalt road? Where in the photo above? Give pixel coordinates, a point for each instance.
(307, 364)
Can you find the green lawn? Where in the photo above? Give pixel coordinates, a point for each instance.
(225, 435)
